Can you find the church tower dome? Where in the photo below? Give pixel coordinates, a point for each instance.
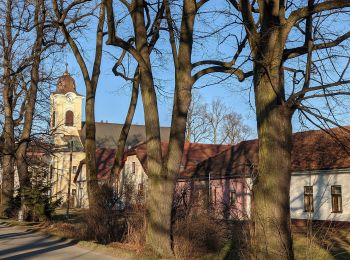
(66, 106)
(66, 83)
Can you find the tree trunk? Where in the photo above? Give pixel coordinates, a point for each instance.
(158, 225)
(8, 131)
(21, 152)
(90, 147)
(8, 150)
(126, 127)
(271, 205)
(91, 85)
(182, 102)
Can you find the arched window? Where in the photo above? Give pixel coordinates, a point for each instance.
(69, 118)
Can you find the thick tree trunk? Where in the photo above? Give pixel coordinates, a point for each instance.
(165, 187)
(22, 166)
(90, 147)
(8, 151)
(271, 204)
(21, 152)
(7, 188)
(158, 220)
(8, 134)
(182, 101)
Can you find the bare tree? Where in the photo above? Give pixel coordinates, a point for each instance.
(233, 130)
(197, 129)
(71, 20)
(272, 28)
(157, 225)
(214, 123)
(31, 94)
(215, 117)
(22, 42)
(163, 172)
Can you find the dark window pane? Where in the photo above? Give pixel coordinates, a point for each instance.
(69, 118)
(308, 199)
(337, 206)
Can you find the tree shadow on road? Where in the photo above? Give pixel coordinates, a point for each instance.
(32, 245)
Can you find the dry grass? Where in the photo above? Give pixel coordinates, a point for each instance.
(199, 235)
(322, 242)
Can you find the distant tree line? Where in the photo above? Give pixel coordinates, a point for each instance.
(214, 123)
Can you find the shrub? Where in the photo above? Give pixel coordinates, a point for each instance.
(102, 220)
(198, 234)
(35, 202)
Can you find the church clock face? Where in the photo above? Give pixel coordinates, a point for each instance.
(70, 97)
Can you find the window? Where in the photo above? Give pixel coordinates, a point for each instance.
(74, 192)
(233, 197)
(53, 122)
(74, 169)
(308, 199)
(140, 189)
(214, 195)
(133, 167)
(69, 118)
(336, 199)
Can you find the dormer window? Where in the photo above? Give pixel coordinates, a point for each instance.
(69, 121)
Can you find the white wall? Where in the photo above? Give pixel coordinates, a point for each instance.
(321, 182)
(134, 179)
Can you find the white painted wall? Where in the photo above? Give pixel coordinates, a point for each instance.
(130, 178)
(321, 182)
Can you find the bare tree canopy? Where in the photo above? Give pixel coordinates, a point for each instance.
(214, 123)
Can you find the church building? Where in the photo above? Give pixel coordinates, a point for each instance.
(68, 130)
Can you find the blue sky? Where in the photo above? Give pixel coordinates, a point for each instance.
(113, 93)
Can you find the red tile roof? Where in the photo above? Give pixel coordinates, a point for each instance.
(194, 153)
(312, 150)
(104, 160)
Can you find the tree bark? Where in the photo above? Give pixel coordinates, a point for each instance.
(182, 101)
(8, 131)
(21, 152)
(91, 86)
(90, 146)
(158, 225)
(272, 237)
(271, 214)
(126, 127)
(271, 204)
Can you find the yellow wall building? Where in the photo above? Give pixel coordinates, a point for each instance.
(68, 128)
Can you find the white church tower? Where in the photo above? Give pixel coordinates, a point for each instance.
(66, 108)
(65, 120)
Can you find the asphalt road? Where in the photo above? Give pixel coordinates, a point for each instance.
(16, 244)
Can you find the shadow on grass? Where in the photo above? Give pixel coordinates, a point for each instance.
(334, 239)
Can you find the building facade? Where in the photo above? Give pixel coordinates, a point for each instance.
(68, 170)
(223, 179)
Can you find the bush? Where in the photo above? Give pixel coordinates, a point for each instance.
(13, 206)
(102, 221)
(35, 202)
(198, 234)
